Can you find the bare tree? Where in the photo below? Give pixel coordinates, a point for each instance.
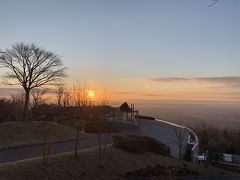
(37, 104)
(48, 141)
(31, 67)
(80, 96)
(104, 129)
(66, 98)
(63, 96)
(180, 139)
(78, 119)
(79, 113)
(9, 110)
(37, 97)
(17, 98)
(105, 98)
(59, 94)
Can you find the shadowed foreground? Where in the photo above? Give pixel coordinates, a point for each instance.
(117, 163)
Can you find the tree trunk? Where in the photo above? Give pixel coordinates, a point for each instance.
(49, 147)
(100, 151)
(44, 153)
(26, 104)
(76, 142)
(180, 153)
(104, 149)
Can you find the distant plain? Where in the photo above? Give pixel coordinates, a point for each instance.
(194, 114)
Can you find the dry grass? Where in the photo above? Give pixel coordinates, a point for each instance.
(118, 162)
(21, 133)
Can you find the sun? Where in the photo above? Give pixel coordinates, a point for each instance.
(91, 94)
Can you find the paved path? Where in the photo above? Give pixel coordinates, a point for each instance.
(21, 153)
(187, 178)
(209, 178)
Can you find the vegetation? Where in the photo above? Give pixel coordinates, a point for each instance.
(117, 163)
(10, 109)
(140, 144)
(102, 128)
(31, 67)
(218, 141)
(159, 170)
(21, 133)
(180, 139)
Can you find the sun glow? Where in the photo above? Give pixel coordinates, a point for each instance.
(91, 94)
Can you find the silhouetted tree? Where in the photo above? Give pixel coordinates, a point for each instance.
(102, 128)
(78, 120)
(79, 110)
(180, 139)
(37, 97)
(63, 96)
(9, 110)
(31, 67)
(48, 136)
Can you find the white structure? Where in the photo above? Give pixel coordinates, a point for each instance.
(227, 158)
(181, 140)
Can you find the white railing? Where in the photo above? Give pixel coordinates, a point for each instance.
(194, 150)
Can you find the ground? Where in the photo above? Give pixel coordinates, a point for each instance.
(20, 133)
(118, 162)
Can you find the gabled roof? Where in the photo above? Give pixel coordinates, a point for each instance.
(125, 107)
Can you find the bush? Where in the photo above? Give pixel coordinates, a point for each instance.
(170, 171)
(134, 143)
(129, 144)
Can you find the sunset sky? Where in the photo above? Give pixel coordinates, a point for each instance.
(135, 49)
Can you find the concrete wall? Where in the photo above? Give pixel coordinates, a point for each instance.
(168, 133)
(236, 159)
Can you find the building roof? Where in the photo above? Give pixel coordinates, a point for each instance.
(125, 107)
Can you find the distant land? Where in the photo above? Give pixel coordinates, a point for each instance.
(218, 114)
(194, 114)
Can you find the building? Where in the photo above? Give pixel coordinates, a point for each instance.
(183, 142)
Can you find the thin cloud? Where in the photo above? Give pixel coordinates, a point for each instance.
(152, 95)
(125, 92)
(233, 79)
(10, 91)
(225, 80)
(168, 79)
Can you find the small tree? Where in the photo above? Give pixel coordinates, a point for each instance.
(48, 133)
(105, 98)
(78, 121)
(31, 67)
(17, 98)
(63, 96)
(9, 110)
(104, 129)
(180, 139)
(79, 112)
(48, 140)
(37, 97)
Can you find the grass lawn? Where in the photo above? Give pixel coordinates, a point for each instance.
(118, 162)
(31, 132)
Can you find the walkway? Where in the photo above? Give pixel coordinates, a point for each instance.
(21, 153)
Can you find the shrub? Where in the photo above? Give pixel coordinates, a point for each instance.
(134, 143)
(152, 145)
(129, 144)
(170, 171)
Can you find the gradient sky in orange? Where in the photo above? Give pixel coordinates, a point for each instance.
(135, 49)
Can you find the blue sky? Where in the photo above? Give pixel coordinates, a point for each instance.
(126, 41)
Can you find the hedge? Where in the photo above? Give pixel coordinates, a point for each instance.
(134, 143)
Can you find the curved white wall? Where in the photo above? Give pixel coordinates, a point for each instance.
(168, 133)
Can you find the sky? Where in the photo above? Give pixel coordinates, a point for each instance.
(135, 49)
